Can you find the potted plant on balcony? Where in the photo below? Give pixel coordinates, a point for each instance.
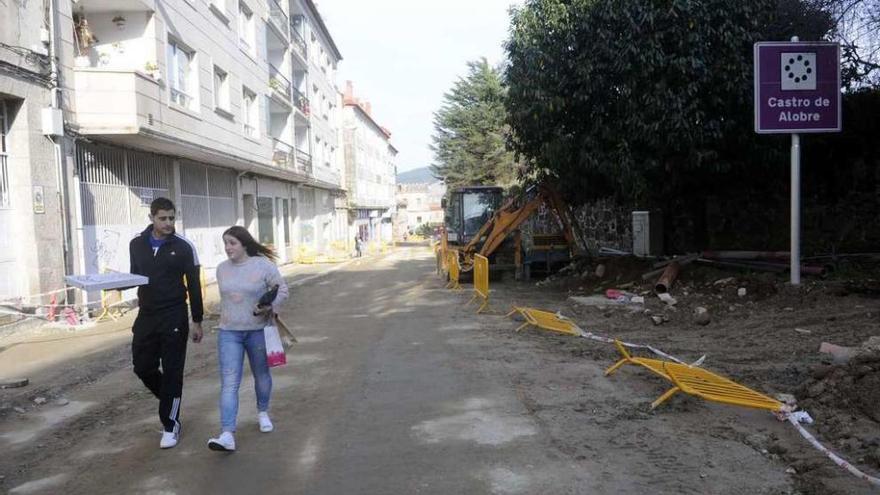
(275, 84)
(152, 69)
(85, 40)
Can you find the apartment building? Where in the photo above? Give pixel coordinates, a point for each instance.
(32, 244)
(212, 103)
(370, 169)
(420, 204)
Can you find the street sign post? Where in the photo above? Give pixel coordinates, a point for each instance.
(797, 90)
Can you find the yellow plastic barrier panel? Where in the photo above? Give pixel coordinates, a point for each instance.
(546, 320)
(697, 381)
(481, 281)
(454, 270)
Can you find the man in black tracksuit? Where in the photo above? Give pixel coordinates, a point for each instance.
(162, 325)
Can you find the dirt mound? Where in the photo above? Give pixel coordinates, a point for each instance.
(845, 399)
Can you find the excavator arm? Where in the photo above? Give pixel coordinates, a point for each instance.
(511, 216)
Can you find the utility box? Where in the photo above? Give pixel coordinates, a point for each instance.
(53, 122)
(647, 231)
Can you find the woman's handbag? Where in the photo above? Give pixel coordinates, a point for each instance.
(287, 337)
(267, 298)
(274, 348)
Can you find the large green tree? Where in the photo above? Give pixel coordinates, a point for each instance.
(470, 131)
(645, 101)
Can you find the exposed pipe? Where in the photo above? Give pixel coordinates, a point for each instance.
(58, 141)
(747, 255)
(670, 273)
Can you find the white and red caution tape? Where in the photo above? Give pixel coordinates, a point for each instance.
(831, 455)
(608, 340)
(792, 417)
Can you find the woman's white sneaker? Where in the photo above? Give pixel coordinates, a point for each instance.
(224, 443)
(265, 423)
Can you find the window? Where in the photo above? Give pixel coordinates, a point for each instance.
(265, 221)
(250, 114)
(4, 168)
(285, 213)
(221, 89)
(182, 75)
(219, 8)
(246, 28)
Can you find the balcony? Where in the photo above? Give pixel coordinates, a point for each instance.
(303, 162)
(279, 83)
(300, 47)
(278, 19)
(327, 174)
(110, 101)
(116, 6)
(282, 154)
(301, 102)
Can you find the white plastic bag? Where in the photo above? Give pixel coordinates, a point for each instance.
(274, 349)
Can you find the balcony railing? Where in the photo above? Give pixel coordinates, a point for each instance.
(283, 154)
(299, 43)
(303, 161)
(301, 101)
(278, 82)
(279, 18)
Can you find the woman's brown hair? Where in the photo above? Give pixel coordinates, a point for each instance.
(251, 246)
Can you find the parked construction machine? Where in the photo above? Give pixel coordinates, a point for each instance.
(476, 222)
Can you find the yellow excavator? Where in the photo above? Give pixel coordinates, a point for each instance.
(476, 222)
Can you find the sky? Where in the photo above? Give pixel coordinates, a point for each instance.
(402, 55)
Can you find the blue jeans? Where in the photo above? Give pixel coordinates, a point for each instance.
(231, 345)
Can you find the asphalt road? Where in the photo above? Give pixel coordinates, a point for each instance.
(383, 394)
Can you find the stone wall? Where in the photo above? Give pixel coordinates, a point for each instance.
(604, 223)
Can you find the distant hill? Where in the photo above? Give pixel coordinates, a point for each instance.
(416, 176)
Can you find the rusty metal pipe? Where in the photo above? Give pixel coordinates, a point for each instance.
(664, 283)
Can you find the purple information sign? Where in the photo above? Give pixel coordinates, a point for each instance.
(797, 87)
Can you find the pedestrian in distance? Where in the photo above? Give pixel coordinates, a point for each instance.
(162, 326)
(244, 278)
(358, 246)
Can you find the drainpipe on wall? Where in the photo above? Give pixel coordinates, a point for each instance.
(58, 141)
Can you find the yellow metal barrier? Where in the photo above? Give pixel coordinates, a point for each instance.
(697, 381)
(110, 300)
(306, 255)
(442, 259)
(454, 269)
(481, 281)
(546, 320)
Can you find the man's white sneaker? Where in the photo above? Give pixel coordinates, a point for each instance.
(224, 443)
(169, 439)
(265, 423)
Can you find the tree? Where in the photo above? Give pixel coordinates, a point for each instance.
(858, 31)
(644, 101)
(470, 131)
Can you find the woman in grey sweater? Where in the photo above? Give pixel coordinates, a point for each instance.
(249, 273)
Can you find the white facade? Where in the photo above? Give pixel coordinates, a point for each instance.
(370, 170)
(420, 204)
(206, 102)
(33, 248)
(228, 107)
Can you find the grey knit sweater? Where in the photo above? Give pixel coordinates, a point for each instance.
(241, 285)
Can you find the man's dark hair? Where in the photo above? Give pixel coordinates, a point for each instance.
(161, 204)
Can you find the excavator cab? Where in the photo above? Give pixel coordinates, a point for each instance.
(478, 222)
(467, 209)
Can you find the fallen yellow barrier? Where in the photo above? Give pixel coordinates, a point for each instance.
(697, 381)
(546, 320)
